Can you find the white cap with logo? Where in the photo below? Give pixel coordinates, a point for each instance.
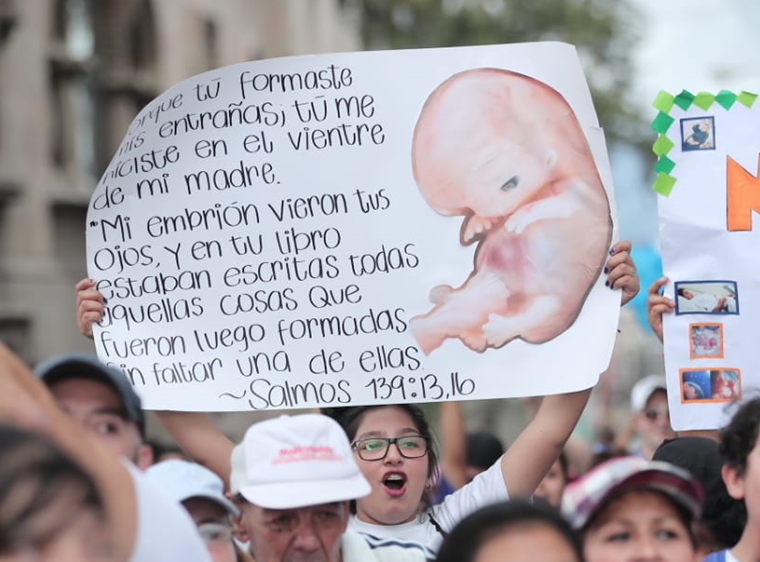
(296, 461)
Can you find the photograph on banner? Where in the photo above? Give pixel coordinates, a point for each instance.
(706, 297)
(706, 341)
(707, 181)
(711, 385)
(304, 232)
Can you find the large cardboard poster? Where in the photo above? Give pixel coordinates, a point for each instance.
(359, 228)
(707, 168)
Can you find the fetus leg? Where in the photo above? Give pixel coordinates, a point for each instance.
(465, 309)
(539, 322)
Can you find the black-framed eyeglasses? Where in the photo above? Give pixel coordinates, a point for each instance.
(376, 448)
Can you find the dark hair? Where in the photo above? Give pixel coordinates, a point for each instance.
(723, 516)
(739, 437)
(737, 440)
(470, 534)
(483, 449)
(351, 418)
(36, 478)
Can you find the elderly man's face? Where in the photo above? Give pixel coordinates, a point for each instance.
(306, 534)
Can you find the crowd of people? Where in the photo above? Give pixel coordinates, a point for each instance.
(78, 481)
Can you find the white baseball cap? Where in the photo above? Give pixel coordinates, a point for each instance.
(183, 480)
(643, 390)
(296, 461)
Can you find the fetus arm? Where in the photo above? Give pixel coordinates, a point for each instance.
(475, 225)
(563, 202)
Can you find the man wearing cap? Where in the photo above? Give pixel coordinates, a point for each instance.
(293, 478)
(101, 399)
(201, 493)
(650, 417)
(146, 525)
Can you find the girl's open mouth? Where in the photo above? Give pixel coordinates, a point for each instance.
(395, 483)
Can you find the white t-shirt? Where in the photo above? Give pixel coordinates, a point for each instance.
(165, 531)
(486, 488)
(356, 547)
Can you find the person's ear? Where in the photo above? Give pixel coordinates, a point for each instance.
(144, 457)
(734, 481)
(239, 530)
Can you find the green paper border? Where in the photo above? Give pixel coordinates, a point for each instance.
(664, 103)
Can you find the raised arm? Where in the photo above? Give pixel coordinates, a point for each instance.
(529, 458)
(26, 402)
(453, 444)
(201, 439)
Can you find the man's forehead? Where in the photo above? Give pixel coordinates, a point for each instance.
(333, 506)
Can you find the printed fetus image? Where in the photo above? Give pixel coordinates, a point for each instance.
(507, 153)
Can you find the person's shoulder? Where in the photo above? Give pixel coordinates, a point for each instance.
(383, 549)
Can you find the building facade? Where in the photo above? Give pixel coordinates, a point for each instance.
(73, 74)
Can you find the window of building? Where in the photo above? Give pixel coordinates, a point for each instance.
(69, 225)
(210, 43)
(72, 92)
(141, 41)
(8, 18)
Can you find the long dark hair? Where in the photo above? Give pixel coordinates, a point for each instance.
(36, 479)
(738, 438)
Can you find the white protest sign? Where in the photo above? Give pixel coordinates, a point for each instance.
(359, 228)
(708, 147)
